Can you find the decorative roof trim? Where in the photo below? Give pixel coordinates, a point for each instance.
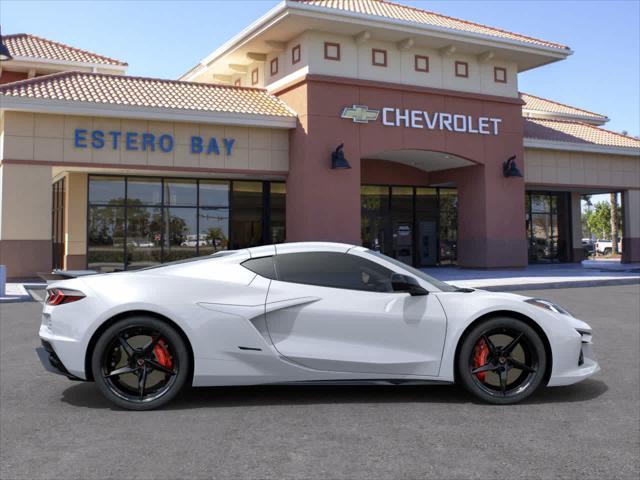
(546, 115)
(93, 109)
(580, 147)
(587, 112)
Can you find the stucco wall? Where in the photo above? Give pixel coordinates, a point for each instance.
(75, 220)
(50, 138)
(324, 204)
(356, 62)
(554, 167)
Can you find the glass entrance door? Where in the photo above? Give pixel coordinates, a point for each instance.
(548, 229)
(416, 225)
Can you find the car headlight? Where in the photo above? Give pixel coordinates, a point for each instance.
(546, 304)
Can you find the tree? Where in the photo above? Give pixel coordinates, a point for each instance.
(614, 222)
(598, 220)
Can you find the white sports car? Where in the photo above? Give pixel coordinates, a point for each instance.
(303, 313)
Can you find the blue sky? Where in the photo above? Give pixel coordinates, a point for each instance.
(166, 38)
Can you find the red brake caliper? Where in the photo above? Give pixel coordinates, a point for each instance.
(480, 356)
(162, 354)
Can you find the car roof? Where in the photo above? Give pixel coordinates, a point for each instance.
(296, 247)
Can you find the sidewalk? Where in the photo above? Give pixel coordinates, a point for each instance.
(19, 292)
(539, 276)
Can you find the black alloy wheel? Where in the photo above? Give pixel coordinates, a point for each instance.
(140, 363)
(502, 360)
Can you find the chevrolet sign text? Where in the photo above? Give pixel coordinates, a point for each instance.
(396, 117)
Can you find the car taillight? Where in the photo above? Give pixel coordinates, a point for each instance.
(58, 296)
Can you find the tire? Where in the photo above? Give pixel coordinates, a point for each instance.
(140, 363)
(607, 251)
(507, 369)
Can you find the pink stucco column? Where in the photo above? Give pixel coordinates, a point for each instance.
(491, 219)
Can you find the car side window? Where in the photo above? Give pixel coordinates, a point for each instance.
(263, 266)
(332, 269)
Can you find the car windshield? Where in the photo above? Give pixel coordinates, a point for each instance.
(444, 287)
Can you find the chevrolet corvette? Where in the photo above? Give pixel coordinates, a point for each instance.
(303, 313)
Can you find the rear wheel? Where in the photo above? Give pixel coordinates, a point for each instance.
(502, 360)
(140, 363)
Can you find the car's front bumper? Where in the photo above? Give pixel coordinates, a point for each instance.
(581, 364)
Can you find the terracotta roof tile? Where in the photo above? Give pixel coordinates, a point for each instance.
(395, 11)
(148, 92)
(575, 132)
(545, 105)
(31, 46)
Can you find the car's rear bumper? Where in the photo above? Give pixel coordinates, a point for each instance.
(51, 362)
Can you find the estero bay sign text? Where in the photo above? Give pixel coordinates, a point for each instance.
(136, 141)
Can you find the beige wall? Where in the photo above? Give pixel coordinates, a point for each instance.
(75, 213)
(43, 137)
(25, 202)
(355, 62)
(577, 169)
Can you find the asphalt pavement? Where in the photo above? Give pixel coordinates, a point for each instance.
(54, 428)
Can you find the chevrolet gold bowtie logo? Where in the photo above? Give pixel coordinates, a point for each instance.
(360, 114)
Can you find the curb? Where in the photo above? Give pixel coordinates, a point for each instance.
(551, 285)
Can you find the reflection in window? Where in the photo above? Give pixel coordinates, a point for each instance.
(214, 193)
(180, 193)
(105, 242)
(214, 230)
(144, 235)
(448, 235)
(144, 191)
(277, 201)
(416, 225)
(180, 234)
(374, 223)
(246, 214)
(136, 222)
(106, 190)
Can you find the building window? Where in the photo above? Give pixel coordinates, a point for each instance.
(331, 51)
(378, 57)
(134, 222)
(57, 223)
(238, 82)
(254, 76)
(295, 54)
(462, 69)
(500, 74)
(421, 63)
(273, 67)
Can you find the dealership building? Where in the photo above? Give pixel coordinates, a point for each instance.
(365, 122)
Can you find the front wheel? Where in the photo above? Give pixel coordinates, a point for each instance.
(502, 360)
(140, 363)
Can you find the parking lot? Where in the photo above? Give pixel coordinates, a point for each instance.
(53, 428)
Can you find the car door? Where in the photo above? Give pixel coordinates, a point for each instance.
(335, 311)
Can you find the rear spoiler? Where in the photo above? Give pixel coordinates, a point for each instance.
(65, 274)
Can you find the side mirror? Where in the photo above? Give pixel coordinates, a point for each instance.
(405, 283)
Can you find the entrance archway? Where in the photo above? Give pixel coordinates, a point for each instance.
(404, 213)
